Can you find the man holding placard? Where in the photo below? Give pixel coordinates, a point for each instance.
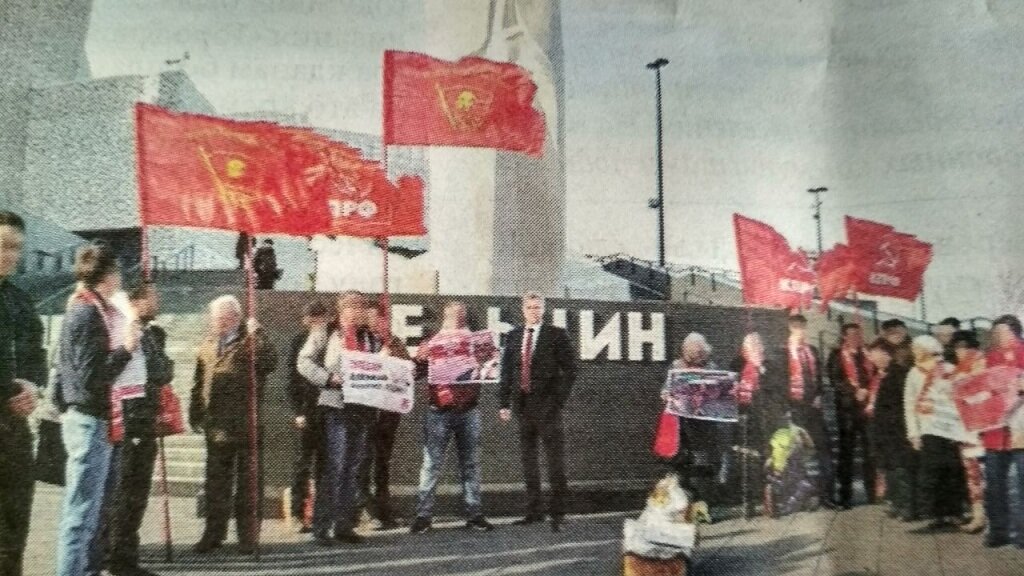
(454, 379)
(346, 424)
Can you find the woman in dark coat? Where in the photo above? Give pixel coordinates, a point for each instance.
(760, 396)
(896, 458)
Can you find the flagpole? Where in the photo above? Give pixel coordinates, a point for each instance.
(254, 487)
(384, 245)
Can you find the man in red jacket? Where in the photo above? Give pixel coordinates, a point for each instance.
(1004, 446)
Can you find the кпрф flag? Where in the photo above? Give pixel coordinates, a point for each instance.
(473, 102)
(886, 262)
(258, 177)
(772, 273)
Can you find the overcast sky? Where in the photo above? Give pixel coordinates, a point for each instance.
(908, 110)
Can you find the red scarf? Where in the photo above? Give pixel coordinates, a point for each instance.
(798, 356)
(876, 383)
(749, 383)
(850, 367)
(924, 404)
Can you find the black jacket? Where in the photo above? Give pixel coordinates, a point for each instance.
(846, 394)
(21, 343)
(552, 368)
(813, 387)
(87, 366)
(140, 413)
(302, 394)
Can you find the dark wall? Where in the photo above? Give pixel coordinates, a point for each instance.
(609, 418)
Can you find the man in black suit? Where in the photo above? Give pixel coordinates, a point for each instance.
(538, 368)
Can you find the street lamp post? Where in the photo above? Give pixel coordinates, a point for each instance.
(817, 213)
(659, 202)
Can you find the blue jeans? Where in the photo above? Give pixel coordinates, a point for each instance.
(86, 472)
(438, 429)
(997, 493)
(346, 437)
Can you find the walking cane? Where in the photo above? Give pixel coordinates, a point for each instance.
(168, 548)
(743, 464)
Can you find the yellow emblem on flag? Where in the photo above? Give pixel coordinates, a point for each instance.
(465, 108)
(230, 176)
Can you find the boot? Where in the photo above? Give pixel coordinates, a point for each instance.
(978, 520)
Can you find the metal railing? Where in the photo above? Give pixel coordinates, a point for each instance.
(732, 280)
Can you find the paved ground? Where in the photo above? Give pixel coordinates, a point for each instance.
(859, 542)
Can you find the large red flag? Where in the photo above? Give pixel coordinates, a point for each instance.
(835, 273)
(258, 177)
(772, 273)
(886, 262)
(472, 102)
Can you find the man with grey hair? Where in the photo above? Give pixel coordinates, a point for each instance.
(538, 369)
(219, 408)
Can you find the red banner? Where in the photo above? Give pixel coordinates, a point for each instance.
(985, 400)
(258, 177)
(473, 102)
(886, 262)
(772, 273)
(835, 273)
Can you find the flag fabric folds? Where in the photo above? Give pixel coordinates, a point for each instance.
(772, 273)
(473, 102)
(886, 262)
(258, 177)
(835, 270)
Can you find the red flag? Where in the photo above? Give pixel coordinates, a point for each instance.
(258, 177)
(886, 262)
(472, 102)
(772, 273)
(360, 199)
(835, 273)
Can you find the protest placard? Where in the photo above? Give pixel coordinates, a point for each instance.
(381, 382)
(702, 394)
(455, 355)
(985, 399)
(945, 421)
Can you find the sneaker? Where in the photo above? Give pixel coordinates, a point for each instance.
(420, 525)
(348, 537)
(479, 523)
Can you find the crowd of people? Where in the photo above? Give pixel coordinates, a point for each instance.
(112, 371)
(885, 392)
(111, 377)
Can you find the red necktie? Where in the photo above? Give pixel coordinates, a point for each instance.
(524, 381)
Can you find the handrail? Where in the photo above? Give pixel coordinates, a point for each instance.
(733, 278)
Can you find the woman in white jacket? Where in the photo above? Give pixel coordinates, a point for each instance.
(941, 471)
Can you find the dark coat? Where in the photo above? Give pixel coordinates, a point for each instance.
(140, 413)
(552, 368)
(219, 403)
(846, 392)
(302, 394)
(889, 424)
(21, 342)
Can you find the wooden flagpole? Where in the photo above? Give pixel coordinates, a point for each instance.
(255, 502)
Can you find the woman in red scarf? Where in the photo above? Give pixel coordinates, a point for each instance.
(760, 396)
(1004, 446)
(969, 361)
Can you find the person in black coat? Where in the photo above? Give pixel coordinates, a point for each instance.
(303, 396)
(761, 399)
(265, 266)
(850, 374)
(136, 455)
(895, 456)
(22, 369)
(538, 369)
